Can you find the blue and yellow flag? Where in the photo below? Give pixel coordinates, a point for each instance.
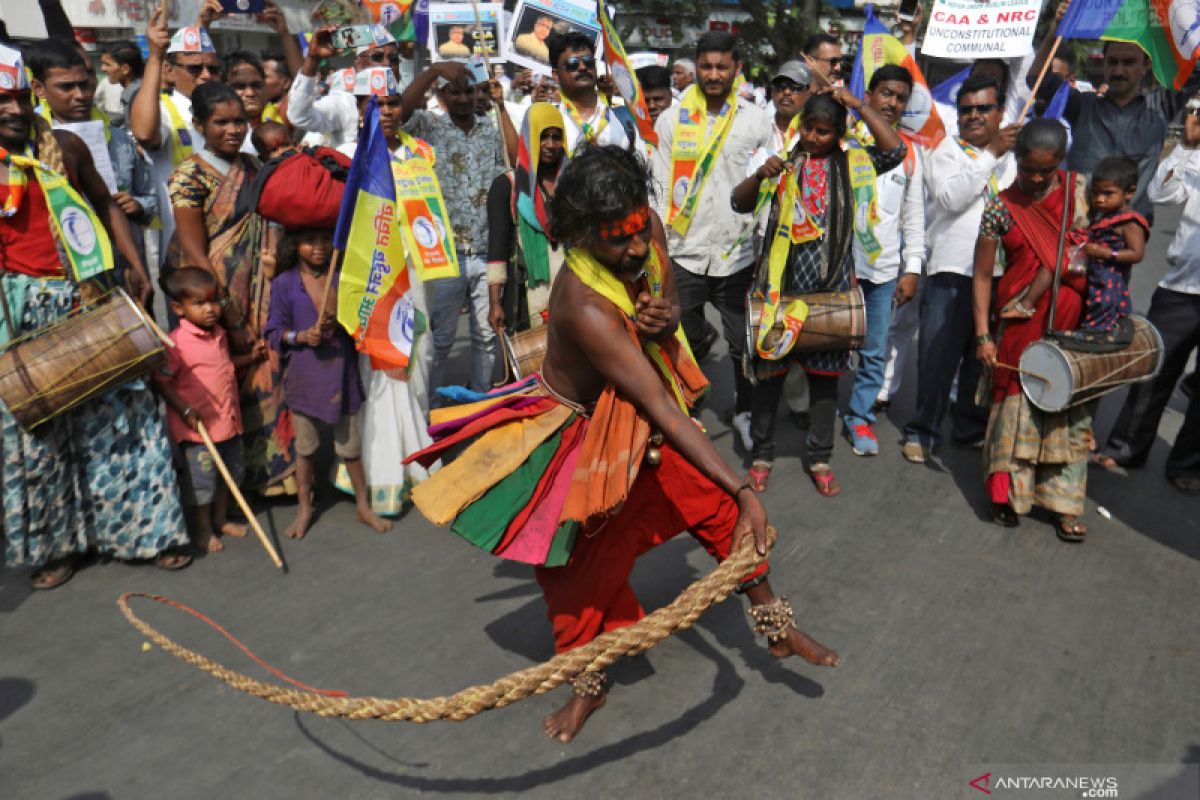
(374, 304)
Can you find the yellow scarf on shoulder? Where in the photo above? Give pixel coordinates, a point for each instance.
(694, 150)
(603, 282)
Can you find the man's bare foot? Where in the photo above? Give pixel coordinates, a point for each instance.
(299, 526)
(368, 517)
(799, 643)
(568, 720)
(208, 543)
(234, 529)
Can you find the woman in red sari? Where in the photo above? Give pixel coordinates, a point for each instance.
(1031, 457)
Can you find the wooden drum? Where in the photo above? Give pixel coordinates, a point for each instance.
(836, 321)
(524, 351)
(1055, 378)
(75, 359)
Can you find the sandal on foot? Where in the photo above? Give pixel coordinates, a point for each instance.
(1070, 529)
(1003, 515)
(759, 473)
(53, 575)
(822, 478)
(173, 558)
(1103, 461)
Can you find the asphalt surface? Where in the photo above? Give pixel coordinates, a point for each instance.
(965, 646)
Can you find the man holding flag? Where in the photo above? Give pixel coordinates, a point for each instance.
(1126, 120)
(703, 149)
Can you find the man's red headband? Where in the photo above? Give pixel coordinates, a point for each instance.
(631, 224)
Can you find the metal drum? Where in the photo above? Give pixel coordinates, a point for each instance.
(1055, 378)
(77, 358)
(836, 321)
(524, 351)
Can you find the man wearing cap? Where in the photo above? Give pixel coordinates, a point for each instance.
(469, 157)
(60, 483)
(587, 116)
(163, 123)
(334, 116)
(704, 146)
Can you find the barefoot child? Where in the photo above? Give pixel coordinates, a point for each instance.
(200, 385)
(1116, 240)
(321, 384)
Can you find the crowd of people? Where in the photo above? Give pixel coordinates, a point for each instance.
(802, 189)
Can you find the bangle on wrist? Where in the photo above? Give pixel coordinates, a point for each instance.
(290, 337)
(982, 339)
(740, 489)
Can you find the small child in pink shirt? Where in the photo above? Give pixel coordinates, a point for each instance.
(199, 384)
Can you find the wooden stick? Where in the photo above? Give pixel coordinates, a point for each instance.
(487, 65)
(1041, 76)
(1041, 378)
(333, 265)
(237, 495)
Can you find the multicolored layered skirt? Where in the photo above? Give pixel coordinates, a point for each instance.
(539, 467)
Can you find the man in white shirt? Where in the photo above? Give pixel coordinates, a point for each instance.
(683, 75)
(587, 116)
(1175, 311)
(961, 175)
(892, 278)
(694, 199)
(335, 116)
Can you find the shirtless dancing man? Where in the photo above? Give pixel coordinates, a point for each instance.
(622, 315)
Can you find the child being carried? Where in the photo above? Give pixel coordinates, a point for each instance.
(1116, 240)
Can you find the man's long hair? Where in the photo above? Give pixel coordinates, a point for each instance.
(599, 184)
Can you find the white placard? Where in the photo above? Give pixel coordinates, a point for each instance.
(639, 60)
(533, 20)
(453, 34)
(92, 133)
(965, 30)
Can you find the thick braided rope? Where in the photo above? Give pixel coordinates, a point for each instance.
(602, 651)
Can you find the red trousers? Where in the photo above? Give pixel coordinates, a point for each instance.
(591, 594)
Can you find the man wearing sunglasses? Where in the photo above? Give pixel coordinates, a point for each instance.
(162, 123)
(587, 116)
(825, 51)
(961, 175)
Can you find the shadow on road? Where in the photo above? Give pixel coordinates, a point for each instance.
(726, 686)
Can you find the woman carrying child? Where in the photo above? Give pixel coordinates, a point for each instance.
(321, 384)
(1116, 240)
(215, 232)
(825, 197)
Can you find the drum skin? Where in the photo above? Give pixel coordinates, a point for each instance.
(836, 321)
(1055, 379)
(76, 359)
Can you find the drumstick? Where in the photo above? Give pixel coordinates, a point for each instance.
(1031, 374)
(237, 494)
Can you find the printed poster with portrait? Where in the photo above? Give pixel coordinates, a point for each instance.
(455, 36)
(534, 20)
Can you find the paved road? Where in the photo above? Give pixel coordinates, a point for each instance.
(966, 646)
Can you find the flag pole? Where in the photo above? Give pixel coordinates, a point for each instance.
(1041, 76)
(334, 263)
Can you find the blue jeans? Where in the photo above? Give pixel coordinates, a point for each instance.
(872, 358)
(445, 298)
(945, 346)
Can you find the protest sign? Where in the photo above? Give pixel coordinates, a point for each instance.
(967, 29)
(533, 21)
(454, 34)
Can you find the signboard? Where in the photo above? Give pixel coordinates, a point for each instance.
(454, 35)
(534, 20)
(966, 30)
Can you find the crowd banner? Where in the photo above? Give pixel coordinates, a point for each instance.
(533, 21)
(966, 29)
(454, 34)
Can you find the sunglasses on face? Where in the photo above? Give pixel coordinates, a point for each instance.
(379, 57)
(787, 86)
(573, 63)
(195, 69)
(983, 109)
